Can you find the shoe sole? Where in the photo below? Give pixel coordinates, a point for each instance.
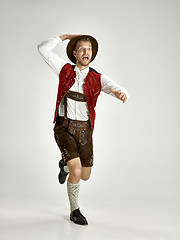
(85, 223)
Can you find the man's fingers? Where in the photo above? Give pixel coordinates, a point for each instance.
(119, 95)
(77, 34)
(124, 98)
(73, 35)
(112, 90)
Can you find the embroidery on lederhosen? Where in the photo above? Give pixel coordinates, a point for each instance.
(72, 131)
(91, 160)
(65, 154)
(80, 97)
(83, 137)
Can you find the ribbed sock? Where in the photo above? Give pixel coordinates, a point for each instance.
(73, 193)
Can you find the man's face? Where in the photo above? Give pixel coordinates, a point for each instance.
(83, 53)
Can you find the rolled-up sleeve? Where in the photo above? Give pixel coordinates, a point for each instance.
(107, 83)
(46, 50)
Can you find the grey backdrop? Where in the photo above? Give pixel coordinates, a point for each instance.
(136, 144)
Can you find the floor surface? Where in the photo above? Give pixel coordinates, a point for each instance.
(127, 221)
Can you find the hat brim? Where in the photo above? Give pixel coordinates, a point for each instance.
(72, 43)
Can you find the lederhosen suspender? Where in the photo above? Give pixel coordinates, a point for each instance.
(79, 97)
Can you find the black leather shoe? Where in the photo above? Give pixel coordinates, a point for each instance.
(62, 175)
(77, 217)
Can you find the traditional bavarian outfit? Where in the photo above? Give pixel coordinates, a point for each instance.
(73, 132)
(74, 137)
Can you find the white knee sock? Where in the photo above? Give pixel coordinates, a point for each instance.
(73, 193)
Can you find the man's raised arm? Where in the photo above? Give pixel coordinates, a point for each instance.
(46, 50)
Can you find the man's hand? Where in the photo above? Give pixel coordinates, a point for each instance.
(119, 95)
(69, 36)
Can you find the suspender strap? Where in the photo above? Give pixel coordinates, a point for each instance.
(65, 106)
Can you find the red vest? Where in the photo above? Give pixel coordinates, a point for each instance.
(92, 88)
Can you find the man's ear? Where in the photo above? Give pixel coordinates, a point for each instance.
(74, 53)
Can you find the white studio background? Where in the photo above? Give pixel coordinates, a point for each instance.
(136, 144)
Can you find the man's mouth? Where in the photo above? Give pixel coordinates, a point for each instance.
(85, 58)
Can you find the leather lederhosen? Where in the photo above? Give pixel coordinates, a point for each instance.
(74, 137)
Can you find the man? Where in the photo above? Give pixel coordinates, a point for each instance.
(79, 88)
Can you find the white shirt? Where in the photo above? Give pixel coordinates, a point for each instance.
(75, 110)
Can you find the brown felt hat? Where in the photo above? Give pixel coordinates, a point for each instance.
(72, 43)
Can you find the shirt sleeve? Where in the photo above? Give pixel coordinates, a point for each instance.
(107, 83)
(46, 50)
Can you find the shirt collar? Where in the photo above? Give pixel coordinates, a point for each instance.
(84, 71)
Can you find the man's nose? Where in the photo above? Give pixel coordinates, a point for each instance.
(85, 50)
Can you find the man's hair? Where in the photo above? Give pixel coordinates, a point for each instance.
(86, 39)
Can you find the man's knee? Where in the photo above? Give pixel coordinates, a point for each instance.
(75, 168)
(76, 173)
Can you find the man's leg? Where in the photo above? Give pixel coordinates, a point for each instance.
(73, 186)
(74, 170)
(85, 173)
